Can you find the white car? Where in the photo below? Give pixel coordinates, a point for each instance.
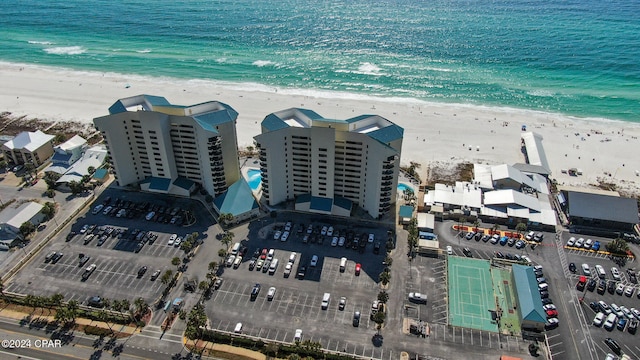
(449, 250)
(285, 236)
(172, 239)
(97, 209)
(277, 235)
(371, 238)
(330, 231)
(529, 236)
(580, 243)
(107, 210)
(150, 215)
(287, 226)
(271, 293)
(616, 310)
(635, 312)
(586, 270)
(615, 273)
(610, 322)
(588, 244)
(572, 241)
(629, 290)
(598, 320)
(177, 242)
(323, 232)
(298, 335)
(341, 241)
(314, 261)
(334, 241)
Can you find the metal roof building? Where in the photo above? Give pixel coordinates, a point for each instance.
(603, 211)
(535, 154)
(532, 315)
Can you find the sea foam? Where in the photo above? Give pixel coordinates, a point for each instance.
(65, 50)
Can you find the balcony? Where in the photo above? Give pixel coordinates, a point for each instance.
(386, 188)
(387, 172)
(390, 166)
(385, 200)
(262, 158)
(386, 178)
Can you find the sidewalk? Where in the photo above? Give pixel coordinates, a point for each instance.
(19, 316)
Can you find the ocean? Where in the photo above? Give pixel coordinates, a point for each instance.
(578, 58)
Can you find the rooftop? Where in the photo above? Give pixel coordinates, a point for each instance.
(29, 141)
(603, 207)
(237, 200)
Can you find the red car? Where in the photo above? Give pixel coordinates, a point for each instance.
(264, 254)
(358, 268)
(552, 313)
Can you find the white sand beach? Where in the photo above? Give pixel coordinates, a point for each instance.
(433, 131)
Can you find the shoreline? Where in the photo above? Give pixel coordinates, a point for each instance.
(434, 132)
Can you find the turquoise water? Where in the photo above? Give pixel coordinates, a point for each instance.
(255, 179)
(575, 57)
(402, 187)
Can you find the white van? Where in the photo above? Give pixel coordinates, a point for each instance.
(292, 257)
(343, 264)
(325, 301)
(273, 266)
(601, 273)
(235, 248)
(270, 254)
(238, 328)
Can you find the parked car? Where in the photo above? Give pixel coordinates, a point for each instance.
(356, 319)
(586, 270)
(358, 269)
(142, 271)
(572, 267)
(615, 273)
(255, 291)
(467, 252)
(155, 275)
(271, 293)
(342, 303)
(418, 297)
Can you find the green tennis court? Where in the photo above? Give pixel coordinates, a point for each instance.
(471, 294)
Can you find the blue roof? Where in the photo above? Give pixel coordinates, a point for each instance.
(100, 173)
(209, 121)
(406, 211)
(342, 202)
(153, 100)
(237, 200)
(183, 182)
(273, 123)
(321, 203)
(61, 157)
(387, 134)
(303, 198)
(529, 300)
(158, 183)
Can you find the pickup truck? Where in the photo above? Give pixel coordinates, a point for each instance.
(418, 297)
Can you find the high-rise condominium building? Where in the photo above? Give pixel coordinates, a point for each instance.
(327, 165)
(169, 148)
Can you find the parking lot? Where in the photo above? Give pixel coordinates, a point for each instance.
(297, 302)
(113, 245)
(627, 341)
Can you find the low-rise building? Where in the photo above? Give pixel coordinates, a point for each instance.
(12, 217)
(29, 148)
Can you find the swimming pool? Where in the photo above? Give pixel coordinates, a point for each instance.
(255, 179)
(402, 187)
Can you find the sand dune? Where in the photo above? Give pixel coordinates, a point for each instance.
(433, 131)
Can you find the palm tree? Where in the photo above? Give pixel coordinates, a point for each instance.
(166, 277)
(521, 228)
(384, 277)
(495, 228)
(383, 297)
(618, 246)
(213, 266)
(141, 307)
(175, 261)
(476, 223)
(227, 238)
(203, 285)
(379, 318)
(225, 218)
(125, 305)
